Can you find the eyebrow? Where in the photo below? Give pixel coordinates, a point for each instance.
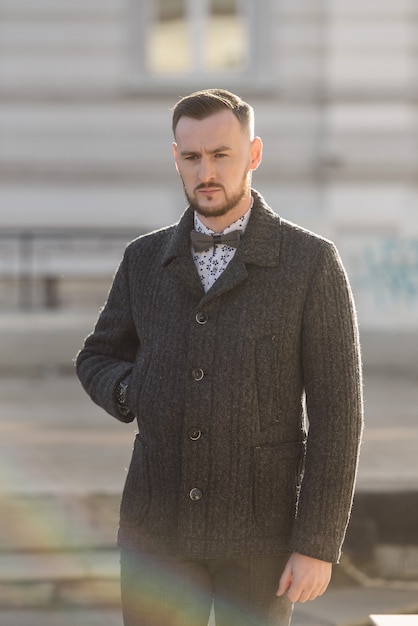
(214, 151)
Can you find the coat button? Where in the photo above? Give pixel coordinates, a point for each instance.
(195, 494)
(197, 373)
(195, 434)
(201, 318)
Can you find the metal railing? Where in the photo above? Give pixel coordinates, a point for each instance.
(35, 263)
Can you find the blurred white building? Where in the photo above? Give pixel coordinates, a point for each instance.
(85, 139)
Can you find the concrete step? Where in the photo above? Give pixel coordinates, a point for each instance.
(75, 588)
(63, 461)
(43, 580)
(64, 616)
(72, 521)
(39, 522)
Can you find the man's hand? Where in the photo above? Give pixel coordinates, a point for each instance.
(304, 578)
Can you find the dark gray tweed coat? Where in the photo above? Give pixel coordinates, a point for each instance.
(223, 465)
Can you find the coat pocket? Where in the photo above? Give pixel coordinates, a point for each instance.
(277, 477)
(136, 493)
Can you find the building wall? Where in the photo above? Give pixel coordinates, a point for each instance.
(86, 142)
(358, 61)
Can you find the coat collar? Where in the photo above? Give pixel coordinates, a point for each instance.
(261, 242)
(259, 246)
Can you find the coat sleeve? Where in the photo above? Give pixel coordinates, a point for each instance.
(110, 350)
(333, 387)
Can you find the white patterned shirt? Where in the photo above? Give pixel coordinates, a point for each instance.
(212, 262)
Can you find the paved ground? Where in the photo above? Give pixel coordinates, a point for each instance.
(53, 440)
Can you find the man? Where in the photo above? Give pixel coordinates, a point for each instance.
(217, 332)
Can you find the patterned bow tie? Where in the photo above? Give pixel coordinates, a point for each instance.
(202, 242)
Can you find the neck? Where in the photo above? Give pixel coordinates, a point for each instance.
(218, 223)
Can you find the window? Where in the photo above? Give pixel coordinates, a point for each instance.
(183, 39)
(196, 35)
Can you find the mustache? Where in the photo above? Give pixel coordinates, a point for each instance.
(208, 186)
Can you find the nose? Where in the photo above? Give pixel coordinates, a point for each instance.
(206, 170)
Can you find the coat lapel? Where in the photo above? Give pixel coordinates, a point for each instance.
(178, 256)
(261, 242)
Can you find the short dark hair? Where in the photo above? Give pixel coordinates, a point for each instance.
(202, 104)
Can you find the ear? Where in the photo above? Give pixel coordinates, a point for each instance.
(256, 152)
(176, 156)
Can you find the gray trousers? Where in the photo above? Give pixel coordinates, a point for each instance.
(159, 591)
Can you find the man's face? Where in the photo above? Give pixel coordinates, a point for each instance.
(215, 157)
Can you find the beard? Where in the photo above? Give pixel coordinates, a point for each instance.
(230, 202)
